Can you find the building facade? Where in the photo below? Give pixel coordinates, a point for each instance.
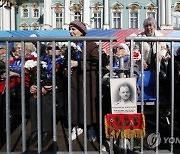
(96, 14)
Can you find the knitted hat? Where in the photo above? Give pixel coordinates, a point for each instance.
(79, 25)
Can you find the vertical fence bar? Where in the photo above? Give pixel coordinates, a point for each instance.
(142, 88)
(84, 96)
(69, 97)
(132, 59)
(100, 95)
(172, 93)
(157, 94)
(7, 86)
(54, 94)
(131, 75)
(23, 95)
(111, 58)
(111, 76)
(39, 99)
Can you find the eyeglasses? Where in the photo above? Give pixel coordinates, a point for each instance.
(50, 48)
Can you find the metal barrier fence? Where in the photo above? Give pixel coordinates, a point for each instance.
(23, 109)
(84, 40)
(171, 41)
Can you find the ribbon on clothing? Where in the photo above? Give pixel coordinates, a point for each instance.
(125, 125)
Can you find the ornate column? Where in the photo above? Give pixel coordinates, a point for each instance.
(47, 14)
(66, 14)
(162, 13)
(86, 12)
(6, 19)
(13, 18)
(106, 14)
(168, 14)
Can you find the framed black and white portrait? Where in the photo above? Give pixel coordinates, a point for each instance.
(123, 95)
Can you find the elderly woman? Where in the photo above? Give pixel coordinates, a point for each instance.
(121, 52)
(77, 28)
(150, 47)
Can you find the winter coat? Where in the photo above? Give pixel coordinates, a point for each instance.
(77, 107)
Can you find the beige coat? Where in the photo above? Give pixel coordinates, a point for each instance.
(147, 45)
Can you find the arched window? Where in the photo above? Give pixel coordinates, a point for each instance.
(117, 15)
(151, 10)
(77, 16)
(59, 20)
(25, 13)
(134, 15)
(97, 15)
(76, 11)
(35, 13)
(58, 13)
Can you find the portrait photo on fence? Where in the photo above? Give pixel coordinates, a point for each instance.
(123, 95)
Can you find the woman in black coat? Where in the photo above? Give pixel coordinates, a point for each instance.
(77, 28)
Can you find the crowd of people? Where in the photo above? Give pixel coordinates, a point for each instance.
(76, 28)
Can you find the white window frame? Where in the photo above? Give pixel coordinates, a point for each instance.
(54, 16)
(72, 13)
(130, 17)
(22, 13)
(138, 13)
(79, 16)
(154, 10)
(177, 15)
(93, 11)
(61, 18)
(101, 22)
(33, 13)
(151, 12)
(116, 7)
(113, 26)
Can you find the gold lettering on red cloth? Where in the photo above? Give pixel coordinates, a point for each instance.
(125, 125)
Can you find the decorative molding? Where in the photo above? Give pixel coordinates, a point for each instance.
(48, 25)
(58, 8)
(35, 25)
(117, 7)
(10, 2)
(35, 5)
(134, 7)
(177, 7)
(151, 7)
(24, 5)
(24, 25)
(76, 7)
(97, 6)
(81, 2)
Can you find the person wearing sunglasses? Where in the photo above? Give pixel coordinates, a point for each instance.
(46, 92)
